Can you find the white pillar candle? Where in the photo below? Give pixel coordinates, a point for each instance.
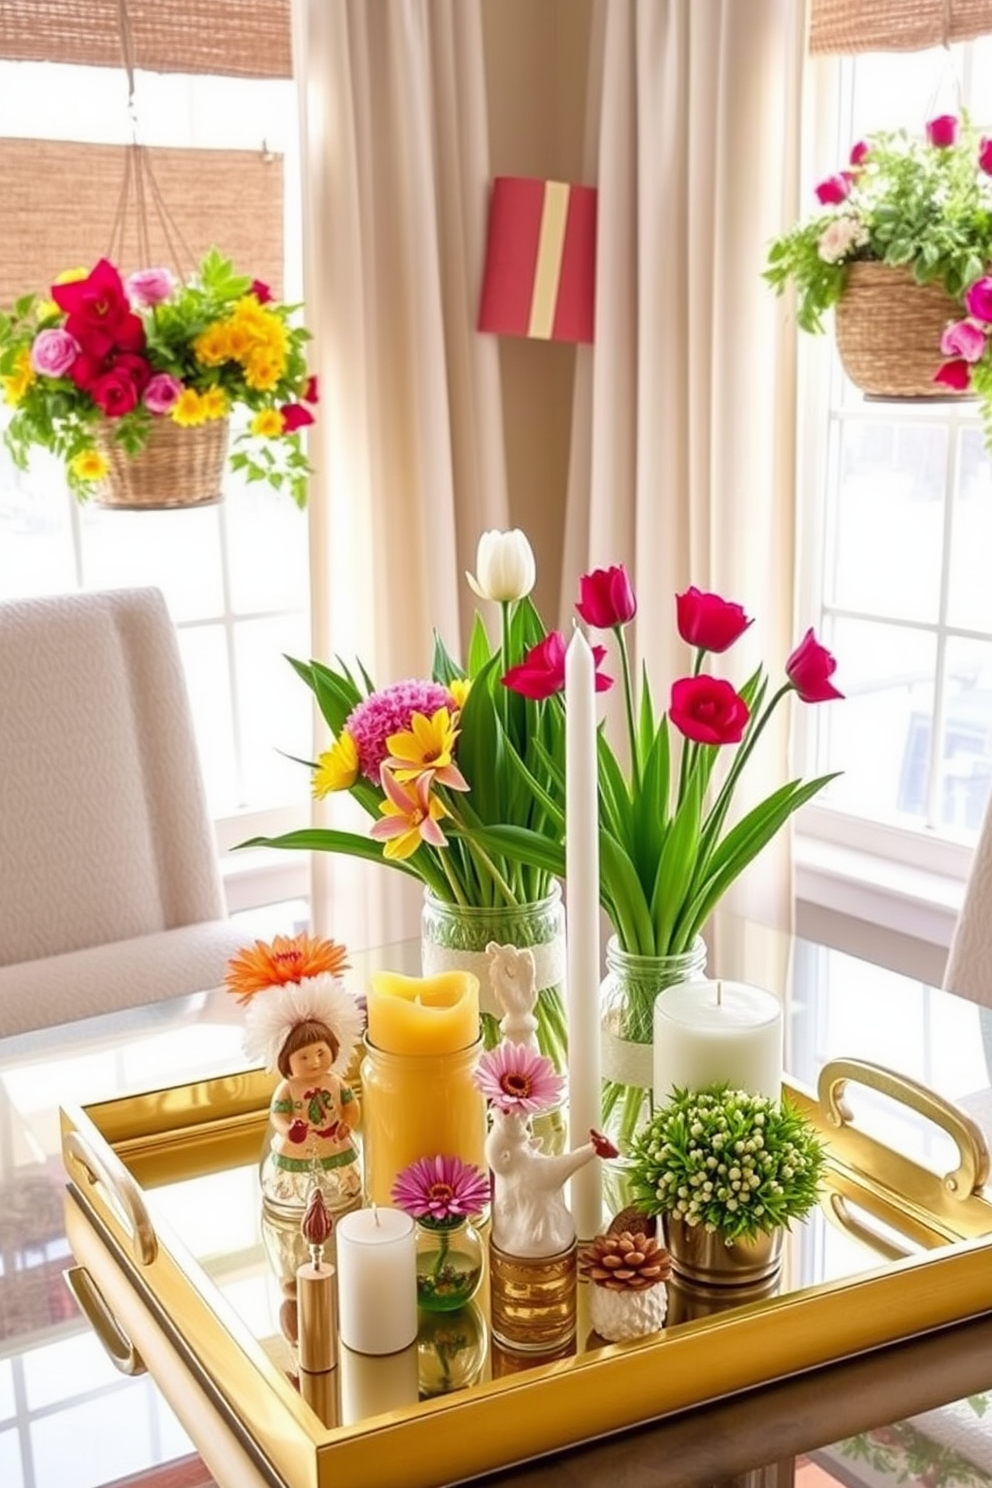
(707, 1032)
(582, 931)
(377, 1280)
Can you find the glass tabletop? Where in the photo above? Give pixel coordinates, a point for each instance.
(55, 1381)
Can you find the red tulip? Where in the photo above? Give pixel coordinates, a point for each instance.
(707, 621)
(261, 291)
(606, 598)
(310, 394)
(708, 710)
(810, 668)
(542, 671)
(859, 154)
(295, 416)
(834, 189)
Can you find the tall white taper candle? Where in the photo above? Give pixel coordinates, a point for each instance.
(582, 932)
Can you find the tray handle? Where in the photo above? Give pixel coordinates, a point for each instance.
(973, 1153)
(123, 1192)
(92, 1304)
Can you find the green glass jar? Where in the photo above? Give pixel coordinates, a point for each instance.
(449, 1263)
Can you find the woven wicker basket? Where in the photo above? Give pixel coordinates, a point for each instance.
(177, 467)
(888, 331)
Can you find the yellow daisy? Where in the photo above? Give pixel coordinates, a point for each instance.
(187, 411)
(268, 424)
(211, 346)
(16, 383)
(215, 403)
(89, 465)
(263, 371)
(460, 689)
(337, 767)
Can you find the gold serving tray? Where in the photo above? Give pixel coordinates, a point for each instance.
(894, 1250)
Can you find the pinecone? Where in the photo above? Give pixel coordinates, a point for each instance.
(625, 1262)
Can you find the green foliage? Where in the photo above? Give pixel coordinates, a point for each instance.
(60, 416)
(910, 203)
(738, 1164)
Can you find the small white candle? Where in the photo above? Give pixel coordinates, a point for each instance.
(377, 1280)
(582, 940)
(707, 1032)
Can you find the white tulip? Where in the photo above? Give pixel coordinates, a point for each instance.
(505, 566)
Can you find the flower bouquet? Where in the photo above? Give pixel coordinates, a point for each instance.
(920, 208)
(434, 761)
(669, 850)
(103, 367)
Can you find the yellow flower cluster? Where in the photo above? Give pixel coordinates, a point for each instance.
(192, 408)
(17, 383)
(251, 335)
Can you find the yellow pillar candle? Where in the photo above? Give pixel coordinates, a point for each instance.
(419, 1097)
(423, 1015)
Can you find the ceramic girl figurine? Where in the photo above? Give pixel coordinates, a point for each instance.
(303, 1022)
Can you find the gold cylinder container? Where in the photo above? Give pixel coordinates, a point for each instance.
(532, 1299)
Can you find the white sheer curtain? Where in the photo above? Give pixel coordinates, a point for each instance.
(682, 461)
(409, 445)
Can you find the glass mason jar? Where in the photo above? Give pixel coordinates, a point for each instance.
(449, 1263)
(627, 998)
(418, 1105)
(453, 937)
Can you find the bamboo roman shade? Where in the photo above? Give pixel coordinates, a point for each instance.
(235, 38)
(59, 201)
(895, 25)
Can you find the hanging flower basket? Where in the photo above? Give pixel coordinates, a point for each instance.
(889, 331)
(177, 467)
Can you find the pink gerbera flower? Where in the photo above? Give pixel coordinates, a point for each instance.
(389, 711)
(516, 1080)
(441, 1188)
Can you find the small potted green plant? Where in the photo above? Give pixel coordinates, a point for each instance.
(728, 1171)
(900, 246)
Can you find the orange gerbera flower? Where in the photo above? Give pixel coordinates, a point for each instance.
(287, 959)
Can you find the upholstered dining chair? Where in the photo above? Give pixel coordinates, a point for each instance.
(110, 894)
(969, 961)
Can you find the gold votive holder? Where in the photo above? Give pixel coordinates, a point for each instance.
(532, 1299)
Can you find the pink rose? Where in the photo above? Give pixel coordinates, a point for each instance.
(149, 287)
(985, 155)
(978, 300)
(834, 189)
(942, 132)
(859, 153)
(955, 375)
(53, 353)
(162, 392)
(963, 339)
(115, 392)
(810, 668)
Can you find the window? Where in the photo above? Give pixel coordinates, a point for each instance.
(900, 540)
(235, 575)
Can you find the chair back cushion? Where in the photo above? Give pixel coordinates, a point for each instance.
(104, 830)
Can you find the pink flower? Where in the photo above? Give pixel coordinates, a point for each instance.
(978, 300)
(440, 1188)
(310, 393)
(708, 710)
(942, 132)
(834, 189)
(389, 711)
(963, 339)
(161, 392)
(859, 154)
(53, 352)
(707, 621)
(606, 598)
(955, 375)
(148, 287)
(516, 1080)
(810, 668)
(542, 672)
(294, 416)
(985, 155)
(261, 291)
